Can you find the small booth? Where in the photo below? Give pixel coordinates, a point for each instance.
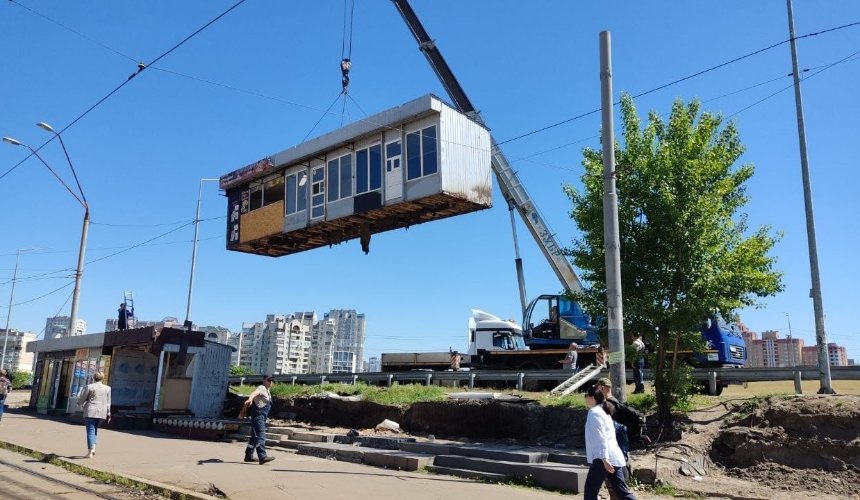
(151, 370)
(418, 162)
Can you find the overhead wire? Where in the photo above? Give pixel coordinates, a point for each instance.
(140, 68)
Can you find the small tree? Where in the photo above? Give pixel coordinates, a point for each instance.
(22, 379)
(240, 371)
(685, 248)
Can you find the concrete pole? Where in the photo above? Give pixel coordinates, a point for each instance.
(194, 253)
(611, 239)
(9, 311)
(79, 273)
(817, 304)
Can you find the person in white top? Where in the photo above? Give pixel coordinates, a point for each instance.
(259, 403)
(601, 449)
(638, 363)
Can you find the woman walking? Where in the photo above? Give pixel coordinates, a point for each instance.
(601, 448)
(94, 399)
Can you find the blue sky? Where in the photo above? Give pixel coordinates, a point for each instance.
(256, 81)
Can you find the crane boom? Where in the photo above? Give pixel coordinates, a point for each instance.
(512, 189)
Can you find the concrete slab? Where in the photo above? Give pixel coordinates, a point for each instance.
(555, 476)
(398, 460)
(313, 437)
(568, 458)
(468, 474)
(490, 453)
(378, 442)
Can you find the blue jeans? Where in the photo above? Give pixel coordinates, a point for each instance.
(2, 404)
(257, 441)
(92, 431)
(597, 474)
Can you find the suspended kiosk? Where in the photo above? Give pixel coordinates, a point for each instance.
(419, 162)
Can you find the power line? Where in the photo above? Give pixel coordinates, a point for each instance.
(140, 68)
(683, 79)
(40, 296)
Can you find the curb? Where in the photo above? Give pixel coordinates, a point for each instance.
(172, 492)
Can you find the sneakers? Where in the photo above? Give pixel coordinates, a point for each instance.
(250, 458)
(266, 460)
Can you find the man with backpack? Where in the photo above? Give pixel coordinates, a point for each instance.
(631, 422)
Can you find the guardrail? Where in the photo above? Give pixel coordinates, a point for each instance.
(715, 377)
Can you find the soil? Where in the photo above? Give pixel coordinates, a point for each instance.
(776, 448)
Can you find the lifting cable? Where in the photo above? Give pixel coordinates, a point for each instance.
(346, 51)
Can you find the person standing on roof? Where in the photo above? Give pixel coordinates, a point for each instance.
(123, 316)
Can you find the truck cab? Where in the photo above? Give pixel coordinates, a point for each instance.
(726, 346)
(490, 333)
(554, 321)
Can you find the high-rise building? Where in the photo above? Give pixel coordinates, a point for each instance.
(284, 345)
(776, 352)
(58, 326)
(235, 341)
(349, 340)
(374, 364)
(754, 357)
(322, 346)
(250, 347)
(17, 357)
(837, 354)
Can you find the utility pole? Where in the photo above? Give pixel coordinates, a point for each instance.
(611, 239)
(791, 341)
(188, 321)
(9, 311)
(817, 304)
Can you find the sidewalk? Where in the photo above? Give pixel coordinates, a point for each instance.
(201, 465)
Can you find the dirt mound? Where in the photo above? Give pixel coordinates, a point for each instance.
(805, 442)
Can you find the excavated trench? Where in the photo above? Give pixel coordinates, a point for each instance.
(795, 442)
(527, 423)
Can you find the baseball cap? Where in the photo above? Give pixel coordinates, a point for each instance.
(605, 382)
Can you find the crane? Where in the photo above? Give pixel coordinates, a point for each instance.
(513, 191)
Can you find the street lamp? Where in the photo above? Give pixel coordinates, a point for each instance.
(194, 251)
(79, 272)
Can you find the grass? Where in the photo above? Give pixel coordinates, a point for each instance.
(397, 394)
(787, 387)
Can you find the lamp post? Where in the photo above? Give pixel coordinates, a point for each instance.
(79, 272)
(194, 252)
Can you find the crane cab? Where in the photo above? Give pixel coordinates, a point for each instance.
(554, 321)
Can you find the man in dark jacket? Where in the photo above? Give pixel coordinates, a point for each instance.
(123, 316)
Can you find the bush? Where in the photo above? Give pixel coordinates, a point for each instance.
(22, 380)
(240, 371)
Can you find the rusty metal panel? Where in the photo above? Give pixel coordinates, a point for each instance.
(465, 158)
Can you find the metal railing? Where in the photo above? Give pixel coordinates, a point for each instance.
(713, 376)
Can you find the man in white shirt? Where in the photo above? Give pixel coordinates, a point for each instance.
(638, 364)
(259, 403)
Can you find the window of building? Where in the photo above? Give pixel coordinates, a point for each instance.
(273, 189)
(256, 189)
(368, 169)
(421, 154)
(317, 192)
(340, 178)
(297, 192)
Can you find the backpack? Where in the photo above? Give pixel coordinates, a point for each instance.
(628, 416)
(4, 386)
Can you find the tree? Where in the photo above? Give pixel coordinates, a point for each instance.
(685, 247)
(240, 371)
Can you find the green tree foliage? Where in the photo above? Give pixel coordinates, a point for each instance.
(685, 246)
(240, 371)
(22, 380)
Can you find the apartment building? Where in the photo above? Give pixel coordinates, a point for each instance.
(773, 351)
(16, 355)
(58, 326)
(322, 346)
(837, 354)
(349, 340)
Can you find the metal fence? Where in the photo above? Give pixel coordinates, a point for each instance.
(714, 377)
